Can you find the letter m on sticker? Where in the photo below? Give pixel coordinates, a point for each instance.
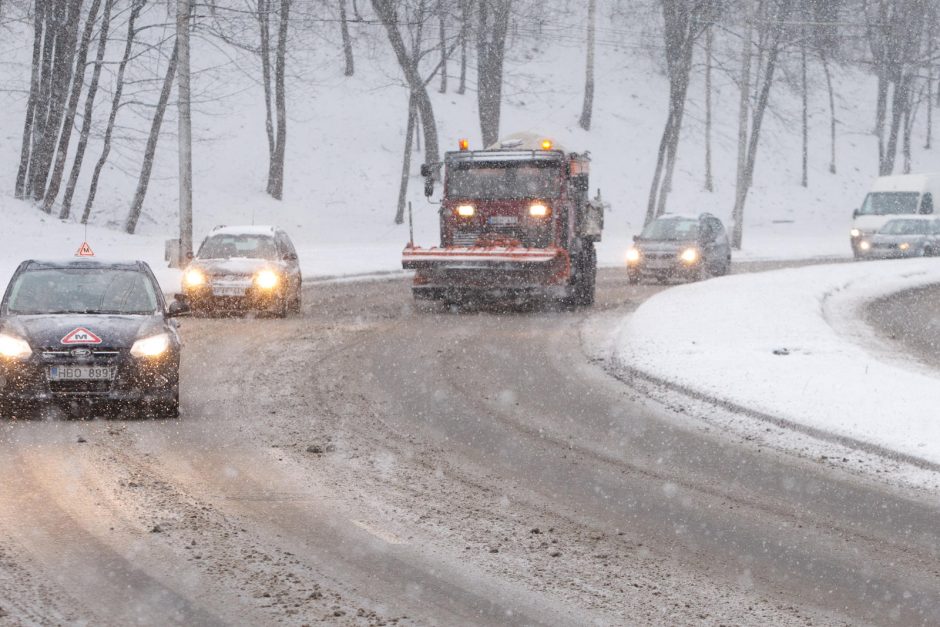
(81, 335)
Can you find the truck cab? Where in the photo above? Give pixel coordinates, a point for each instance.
(892, 197)
(515, 219)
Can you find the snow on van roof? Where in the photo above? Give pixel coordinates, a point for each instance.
(524, 141)
(251, 229)
(904, 182)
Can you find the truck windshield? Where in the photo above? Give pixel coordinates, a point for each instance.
(508, 180)
(82, 290)
(889, 203)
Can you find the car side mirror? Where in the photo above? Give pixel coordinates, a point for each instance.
(290, 257)
(177, 308)
(854, 213)
(636, 238)
(425, 170)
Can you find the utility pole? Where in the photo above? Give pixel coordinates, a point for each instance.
(185, 132)
(740, 192)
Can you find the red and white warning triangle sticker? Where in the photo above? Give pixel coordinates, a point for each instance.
(81, 335)
(84, 251)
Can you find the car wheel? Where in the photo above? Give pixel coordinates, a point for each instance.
(296, 302)
(633, 277)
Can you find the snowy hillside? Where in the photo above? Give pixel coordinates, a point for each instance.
(345, 141)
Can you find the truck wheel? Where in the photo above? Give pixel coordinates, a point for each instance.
(587, 277)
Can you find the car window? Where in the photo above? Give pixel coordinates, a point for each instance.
(671, 229)
(228, 246)
(904, 227)
(82, 290)
(926, 204)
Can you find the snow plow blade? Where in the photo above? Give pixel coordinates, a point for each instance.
(457, 270)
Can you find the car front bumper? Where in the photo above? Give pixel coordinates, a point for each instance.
(135, 380)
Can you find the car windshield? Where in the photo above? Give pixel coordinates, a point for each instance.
(904, 227)
(82, 290)
(512, 180)
(672, 229)
(889, 203)
(248, 246)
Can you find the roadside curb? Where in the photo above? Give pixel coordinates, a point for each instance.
(629, 376)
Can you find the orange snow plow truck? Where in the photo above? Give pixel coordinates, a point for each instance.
(516, 222)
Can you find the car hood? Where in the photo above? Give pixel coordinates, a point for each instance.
(237, 266)
(114, 331)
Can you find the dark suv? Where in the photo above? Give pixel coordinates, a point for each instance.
(241, 268)
(676, 246)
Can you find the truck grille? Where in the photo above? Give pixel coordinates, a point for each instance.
(529, 237)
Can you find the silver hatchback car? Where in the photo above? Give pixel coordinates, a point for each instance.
(914, 236)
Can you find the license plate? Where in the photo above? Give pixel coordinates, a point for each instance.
(82, 373)
(503, 220)
(228, 291)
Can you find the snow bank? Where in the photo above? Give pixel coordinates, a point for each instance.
(791, 344)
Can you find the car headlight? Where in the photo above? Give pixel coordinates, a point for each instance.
(633, 255)
(866, 245)
(538, 210)
(904, 245)
(194, 278)
(855, 233)
(13, 347)
(466, 211)
(689, 255)
(152, 346)
(267, 279)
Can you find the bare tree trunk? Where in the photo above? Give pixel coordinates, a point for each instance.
(709, 42)
(78, 81)
(89, 108)
(588, 106)
(143, 181)
(465, 8)
(62, 71)
(899, 105)
(931, 27)
(804, 180)
(31, 103)
(386, 11)
(906, 141)
(406, 161)
(184, 125)
(347, 43)
(832, 116)
(280, 103)
(43, 103)
(442, 14)
(658, 171)
(491, 46)
(264, 24)
(741, 183)
(356, 15)
(881, 112)
(115, 105)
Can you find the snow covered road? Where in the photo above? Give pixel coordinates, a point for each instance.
(367, 463)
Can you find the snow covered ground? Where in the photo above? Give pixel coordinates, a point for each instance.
(345, 140)
(791, 344)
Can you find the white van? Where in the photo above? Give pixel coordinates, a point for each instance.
(891, 196)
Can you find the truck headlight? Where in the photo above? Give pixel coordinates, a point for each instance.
(633, 256)
(267, 279)
(152, 346)
(13, 347)
(466, 211)
(689, 255)
(538, 210)
(855, 233)
(194, 278)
